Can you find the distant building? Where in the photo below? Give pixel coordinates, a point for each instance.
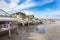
(18, 15)
(30, 16)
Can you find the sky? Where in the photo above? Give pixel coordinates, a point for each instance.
(39, 8)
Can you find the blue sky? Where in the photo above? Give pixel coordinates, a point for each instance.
(40, 8)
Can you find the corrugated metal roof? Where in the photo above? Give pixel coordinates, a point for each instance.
(3, 13)
(4, 16)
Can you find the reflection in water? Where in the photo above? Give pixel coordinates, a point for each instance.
(37, 32)
(23, 32)
(51, 30)
(41, 30)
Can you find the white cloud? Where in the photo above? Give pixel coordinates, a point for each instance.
(13, 5)
(7, 7)
(23, 6)
(43, 2)
(28, 12)
(30, 3)
(48, 14)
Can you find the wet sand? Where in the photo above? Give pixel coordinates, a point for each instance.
(36, 32)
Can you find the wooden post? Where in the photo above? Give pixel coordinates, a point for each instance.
(9, 31)
(23, 24)
(28, 24)
(17, 31)
(28, 21)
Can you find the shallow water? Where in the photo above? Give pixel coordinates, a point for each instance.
(40, 32)
(23, 32)
(51, 30)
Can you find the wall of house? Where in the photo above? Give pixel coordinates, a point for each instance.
(17, 15)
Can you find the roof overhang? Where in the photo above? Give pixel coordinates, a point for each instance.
(7, 19)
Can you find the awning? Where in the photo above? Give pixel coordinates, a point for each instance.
(7, 19)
